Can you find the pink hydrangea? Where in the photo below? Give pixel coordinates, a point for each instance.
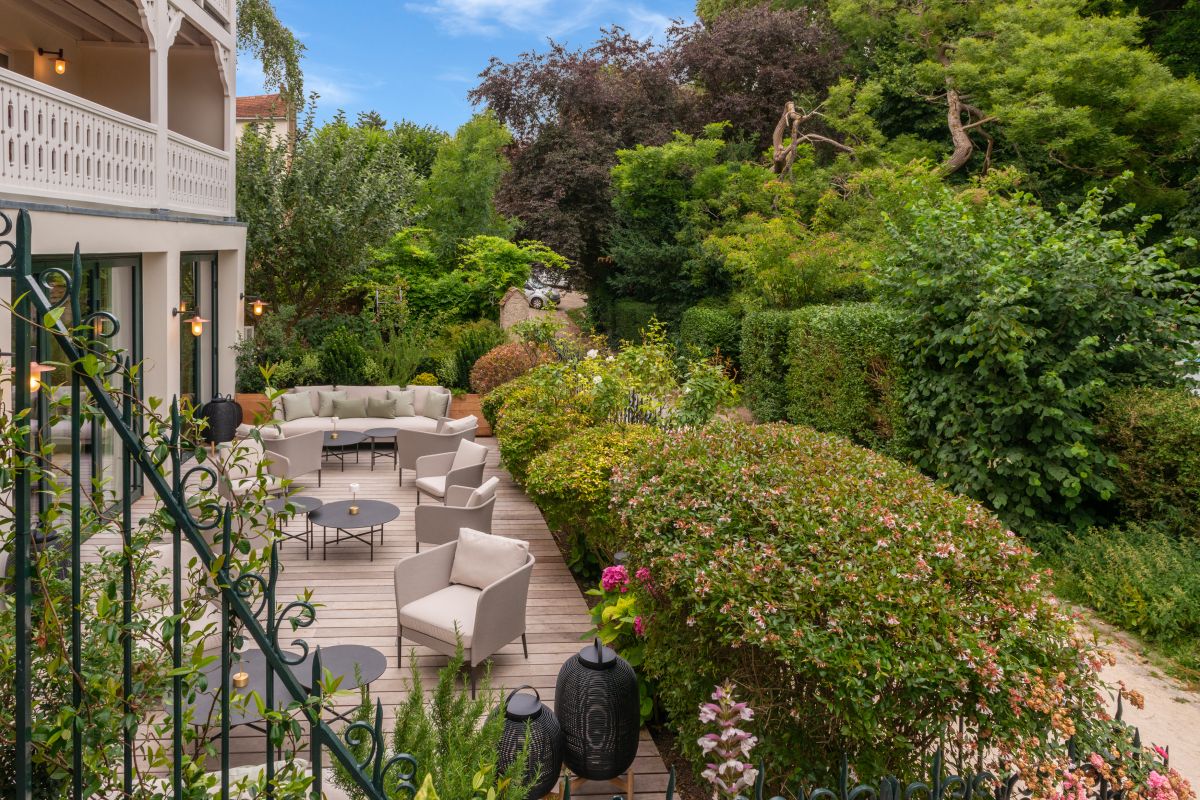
(614, 578)
(643, 574)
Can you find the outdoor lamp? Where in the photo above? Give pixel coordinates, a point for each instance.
(35, 375)
(353, 499)
(257, 306)
(60, 63)
(198, 325)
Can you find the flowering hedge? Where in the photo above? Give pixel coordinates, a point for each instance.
(859, 608)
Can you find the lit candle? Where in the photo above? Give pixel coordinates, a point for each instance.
(354, 498)
(335, 422)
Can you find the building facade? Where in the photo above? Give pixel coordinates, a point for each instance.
(269, 112)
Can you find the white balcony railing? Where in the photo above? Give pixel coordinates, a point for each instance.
(59, 147)
(198, 176)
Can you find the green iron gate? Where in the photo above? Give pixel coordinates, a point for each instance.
(172, 463)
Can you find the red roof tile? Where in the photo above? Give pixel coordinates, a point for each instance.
(260, 106)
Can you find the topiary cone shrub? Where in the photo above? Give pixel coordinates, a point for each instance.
(859, 608)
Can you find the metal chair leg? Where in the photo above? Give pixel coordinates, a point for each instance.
(525, 646)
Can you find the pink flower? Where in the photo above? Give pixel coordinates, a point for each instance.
(1157, 781)
(1096, 761)
(614, 578)
(643, 574)
(639, 627)
(1162, 753)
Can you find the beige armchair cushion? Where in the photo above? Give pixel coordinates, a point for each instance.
(468, 454)
(447, 425)
(436, 614)
(433, 484)
(325, 402)
(484, 493)
(482, 559)
(296, 406)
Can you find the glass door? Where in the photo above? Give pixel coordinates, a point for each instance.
(111, 284)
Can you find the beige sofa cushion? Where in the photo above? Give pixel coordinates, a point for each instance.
(349, 408)
(325, 404)
(481, 559)
(423, 424)
(311, 391)
(296, 406)
(405, 401)
(436, 405)
(435, 614)
(366, 392)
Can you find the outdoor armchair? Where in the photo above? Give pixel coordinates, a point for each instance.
(236, 464)
(465, 508)
(474, 589)
(301, 452)
(411, 445)
(463, 467)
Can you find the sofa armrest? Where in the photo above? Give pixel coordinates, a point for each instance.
(436, 464)
(500, 614)
(423, 574)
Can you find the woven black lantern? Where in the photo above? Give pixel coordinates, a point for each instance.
(545, 759)
(596, 702)
(223, 415)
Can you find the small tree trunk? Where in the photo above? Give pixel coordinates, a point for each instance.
(963, 146)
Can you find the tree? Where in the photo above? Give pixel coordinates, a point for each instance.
(260, 33)
(570, 111)
(458, 197)
(752, 61)
(419, 144)
(316, 206)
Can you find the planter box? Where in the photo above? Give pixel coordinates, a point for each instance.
(466, 405)
(256, 408)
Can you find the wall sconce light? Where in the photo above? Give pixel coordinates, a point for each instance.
(35, 375)
(198, 325)
(60, 63)
(257, 306)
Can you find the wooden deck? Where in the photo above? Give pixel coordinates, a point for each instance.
(357, 604)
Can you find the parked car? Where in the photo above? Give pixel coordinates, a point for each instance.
(539, 294)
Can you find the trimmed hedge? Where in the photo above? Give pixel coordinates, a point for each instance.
(764, 363)
(711, 331)
(1155, 436)
(844, 374)
(502, 364)
(859, 608)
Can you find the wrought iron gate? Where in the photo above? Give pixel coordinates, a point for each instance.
(165, 454)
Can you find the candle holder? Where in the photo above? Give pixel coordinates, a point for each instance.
(240, 679)
(353, 499)
(334, 435)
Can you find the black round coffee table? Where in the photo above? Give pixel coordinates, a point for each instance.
(340, 661)
(207, 708)
(375, 434)
(301, 504)
(372, 515)
(338, 448)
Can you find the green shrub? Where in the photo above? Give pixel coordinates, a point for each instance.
(503, 364)
(343, 358)
(494, 400)
(1155, 436)
(764, 363)
(844, 374)
(467, 344)
(532, 420)
(425, 379)
(711, 331)
(629, 319)
(570, 484)
(1140, 578)
(860, 609)
(1020, 324)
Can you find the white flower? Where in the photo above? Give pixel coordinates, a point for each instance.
(611, 358)
(597, 380)
(593, 353)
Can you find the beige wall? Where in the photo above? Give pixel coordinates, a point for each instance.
(117, 76)
(196, 96)
(21, 35)
(280, 129)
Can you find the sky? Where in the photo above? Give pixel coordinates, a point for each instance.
(416, 59)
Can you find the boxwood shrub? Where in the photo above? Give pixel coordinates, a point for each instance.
(711, 331)
(844, 373)
(764, 363)
(1155, 436)
(859, 608)
(531, 420)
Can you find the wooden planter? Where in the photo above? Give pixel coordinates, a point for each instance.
(256, 408)
(466, 405)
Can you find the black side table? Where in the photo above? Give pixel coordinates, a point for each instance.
(372, 515)
(301, 504)
(338, 448)
(375, 434)
(339, 661)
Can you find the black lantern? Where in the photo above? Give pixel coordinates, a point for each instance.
(596, 702)
(522, 712)
(223, 415)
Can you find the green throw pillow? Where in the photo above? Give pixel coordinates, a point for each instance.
(296, 406)
(405, 401)
(325, 404)
(436, 405)
(381, 407)
(349, 408)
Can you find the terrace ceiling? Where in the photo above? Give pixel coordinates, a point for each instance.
(102, 21)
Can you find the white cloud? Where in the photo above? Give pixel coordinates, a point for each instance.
(545, 17)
